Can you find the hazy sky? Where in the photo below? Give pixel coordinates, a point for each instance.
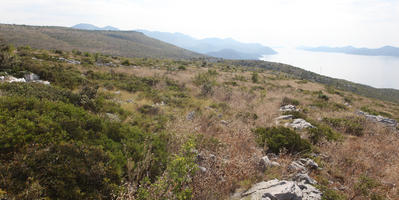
(371, 23)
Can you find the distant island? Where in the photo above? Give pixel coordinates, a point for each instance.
(383, 51)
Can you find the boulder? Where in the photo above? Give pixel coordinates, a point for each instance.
(113, 117)
(12, 79)
(288, 108)
(282, 190)
(300, 124)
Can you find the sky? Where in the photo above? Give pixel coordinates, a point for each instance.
(276, 23)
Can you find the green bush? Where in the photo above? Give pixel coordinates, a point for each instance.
(350, 125)
(289, 101)
(320, 132)
(280, 138)
(84, 155)
(255, 77)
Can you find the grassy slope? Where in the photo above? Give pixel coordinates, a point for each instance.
(384, 94)
(121, 43)
(228, 149)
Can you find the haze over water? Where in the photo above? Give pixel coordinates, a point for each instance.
(376, 71)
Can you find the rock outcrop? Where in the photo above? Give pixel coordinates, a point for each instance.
(300, 124)
(288, 108)
(282, 190)
(379, 118)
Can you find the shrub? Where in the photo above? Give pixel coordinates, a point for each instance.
(322, 96)
(280, 138)
(289, 101)
(126, 62)
(255, 77)
(350, 125)
(375, 112)
(182, 67)
(320, 132)
(295, 114)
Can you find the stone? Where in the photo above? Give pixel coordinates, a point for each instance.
(305, 178)
(224, 122)
(31, 77)
(2, 78)
(42, 82)
(12, 79)
(264, 163)
(288, 108)
(202, 169)
(285, 117)
(282, 190)
(274, 164)
(190, 116)
(300, 124)
(378, 118)
(309, 163)
(296, 166)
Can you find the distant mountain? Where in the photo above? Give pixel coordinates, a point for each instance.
(233, 54)
(223, 48)
(119, 43)
(383, 51)
(92, 27)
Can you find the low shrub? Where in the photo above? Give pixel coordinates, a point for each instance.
(349, 125)
(289, 101)
(277, 139)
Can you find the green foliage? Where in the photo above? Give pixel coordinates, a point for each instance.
(331, 194)
(281, 138)
(84, 155)
(296, 114)
(255, 77)
(322, 96)
(375, 112)
(289, 101)
(126, 62)
(206, 81)
(320, 132)
(364, 186)
(350, 125)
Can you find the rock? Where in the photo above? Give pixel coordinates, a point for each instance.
(284, 117)
(274, 164)
(264, 163)
(305, 178)
(2, 78)
(296, 166)
(282, 190)
(309, 163)
(113, 117)
(42, 82)
(190, 115)
(378, 118)
(31, 77)
(224, 122)
(117, 92)
(202, 169)
(288, 108)
(129, 101)
(300, 124)
(12, 79)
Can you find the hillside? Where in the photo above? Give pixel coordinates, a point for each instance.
(208, 46)
(383, 51)
(94, 126)
(120, 43)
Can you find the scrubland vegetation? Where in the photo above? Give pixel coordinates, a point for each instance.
(165, 129)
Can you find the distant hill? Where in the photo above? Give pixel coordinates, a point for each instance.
(233, 54)
(383, 51)
(92, 27)
(120, 43)
(223, 48)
